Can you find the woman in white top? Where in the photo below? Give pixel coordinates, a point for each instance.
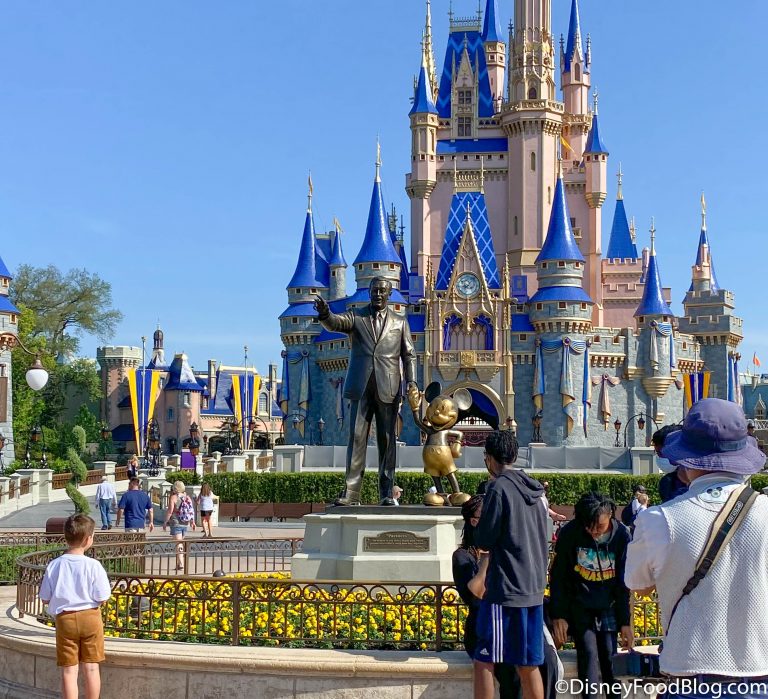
(205, 506)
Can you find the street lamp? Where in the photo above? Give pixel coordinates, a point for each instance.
(321, 428)
(35, 436)
(194, 439)
(36, 376)
(2, 446)
(152, 463)
(106, 433)
(640, 425)
(617, 426)
(536, 420)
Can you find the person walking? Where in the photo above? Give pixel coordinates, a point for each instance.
(74, 586)
(713, 618)
(511, 534)
(588, 596)
(106, 499)
(205, 508)
(133, 467)
(137, 507)
(181, 516)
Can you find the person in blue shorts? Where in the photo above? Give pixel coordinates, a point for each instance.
(512, 541)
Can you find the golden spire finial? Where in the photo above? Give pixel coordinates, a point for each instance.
(595, 96)
(310, 190)
(378, 159)
(653, 235)
(703, 212)
(619, 193)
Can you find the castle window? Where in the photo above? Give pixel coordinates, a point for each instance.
(596, 338)
(465, 96)
(464, 126)
(685, 345)
(466, 157)
(315, 321)
(523, 338)
(520, 308)
(375, 265)
(561, 263)
(693, 320)
(641, 319)
(391, 266)
(532, 94)
(760, 411)
(6, 281)
(169, 415)
(442, 158)
(573, 222)
(616, 340)
(333, 346)
(515, 225)
(577, 72)
(295, 321)
(313, 291)
(187, 398)
(263, 404)
(562, 305)
(533, 161)
(544, 265)
(539, 306)
(549, 195)
(583, 306)
(577, 265)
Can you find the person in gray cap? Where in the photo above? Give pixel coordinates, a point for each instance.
(714, 623)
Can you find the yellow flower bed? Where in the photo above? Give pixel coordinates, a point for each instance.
(270, 611)
(273, 612)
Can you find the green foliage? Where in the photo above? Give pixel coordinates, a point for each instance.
(78, 499)
(92, 426)
(78, 381)
(186, 477)
(78, 433)
(564, 488)
(77, 467)
(66, 305)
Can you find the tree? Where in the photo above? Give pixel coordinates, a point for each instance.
(66, 306)
(79, 471)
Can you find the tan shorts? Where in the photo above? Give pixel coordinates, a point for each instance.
(79, 637)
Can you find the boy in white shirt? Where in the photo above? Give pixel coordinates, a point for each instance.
(74, 587)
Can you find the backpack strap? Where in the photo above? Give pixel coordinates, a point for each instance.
(723, 528)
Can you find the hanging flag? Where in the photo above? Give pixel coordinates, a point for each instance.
(244, 388)
(143, 388)
(696, 387)
(567, 145)
(755, 360)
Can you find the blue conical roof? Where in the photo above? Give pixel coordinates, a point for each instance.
(594, 144)
(704, 240)
(621, 246)
(491, 27)
(653, 303)
(322, 269)
(422, 99)
(4, 270)
(337, 255)
(574, 35)
(306, 272)
(560, 243)
(377, 244)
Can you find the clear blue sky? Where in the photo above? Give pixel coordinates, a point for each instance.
(165, 145)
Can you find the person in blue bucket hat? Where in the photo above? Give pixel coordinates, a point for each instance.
(714, 630)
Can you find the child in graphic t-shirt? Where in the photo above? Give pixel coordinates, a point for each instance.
(74, 587)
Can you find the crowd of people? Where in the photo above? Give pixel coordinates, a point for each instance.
(703, 550)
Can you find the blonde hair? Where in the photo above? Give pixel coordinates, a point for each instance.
(206, 490)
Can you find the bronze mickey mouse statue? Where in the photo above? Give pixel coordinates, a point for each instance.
(438, 455)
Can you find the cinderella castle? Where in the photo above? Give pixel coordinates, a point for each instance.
(516, 286)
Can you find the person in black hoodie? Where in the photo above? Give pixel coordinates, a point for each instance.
(588, 596)
(511, 536)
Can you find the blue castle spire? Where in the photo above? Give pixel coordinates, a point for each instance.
(574, 35)
(306, 270)
(422, 99)
(491, 27)
(620, 245)
(337, 254)
(594, 143)
(703, 240)
(560, 243)
(653, 303)
(377, 244)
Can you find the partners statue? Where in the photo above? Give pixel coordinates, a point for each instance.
(442, 413)
(379, 339)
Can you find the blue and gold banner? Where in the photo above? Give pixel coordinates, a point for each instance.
(144, 388)
(245, 390)
(696, 387)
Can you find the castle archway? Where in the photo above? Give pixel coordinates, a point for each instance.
(483, 416)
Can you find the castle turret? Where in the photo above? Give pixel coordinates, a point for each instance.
(621, 246)
(158, 353)
(495, 50)
(575, 65)
(377, 256)
(653, 306)
(709, 317)
(338, 267)
(560, 305)
(305, 282)
(9, 319)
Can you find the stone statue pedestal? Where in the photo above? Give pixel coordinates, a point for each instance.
(411, 543)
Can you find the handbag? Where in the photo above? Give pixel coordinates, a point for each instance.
(726, 523)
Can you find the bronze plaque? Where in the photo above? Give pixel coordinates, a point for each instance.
(395, 541)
